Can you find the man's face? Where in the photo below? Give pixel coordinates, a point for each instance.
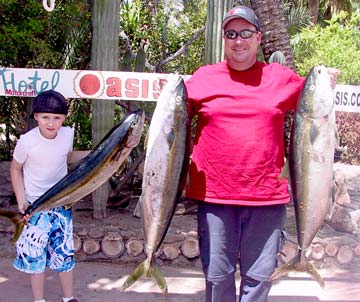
(240, 53)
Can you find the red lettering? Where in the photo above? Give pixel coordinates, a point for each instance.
(132, 88)
(114, 88)
(145, 89)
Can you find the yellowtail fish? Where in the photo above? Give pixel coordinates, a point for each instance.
(311, 158)
(164, 177)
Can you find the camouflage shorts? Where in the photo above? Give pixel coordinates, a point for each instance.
(47, 241)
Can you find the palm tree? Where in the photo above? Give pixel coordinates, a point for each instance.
(273, 25)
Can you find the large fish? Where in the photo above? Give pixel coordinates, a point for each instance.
(90, 173)
(311, 159)
(164, 177)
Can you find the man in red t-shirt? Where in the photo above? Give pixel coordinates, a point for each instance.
(237, 157)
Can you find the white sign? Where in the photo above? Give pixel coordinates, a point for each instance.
(347, 98)
(112, 85)
(24, 82)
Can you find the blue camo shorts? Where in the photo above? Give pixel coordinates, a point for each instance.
(47, 241)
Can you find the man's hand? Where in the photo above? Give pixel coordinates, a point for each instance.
(333, 72)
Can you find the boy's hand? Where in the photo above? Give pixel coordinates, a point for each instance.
(22, 206)
(26, 218)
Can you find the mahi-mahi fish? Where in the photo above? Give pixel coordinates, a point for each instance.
(164, 177)
(90, 173)
(311, 158)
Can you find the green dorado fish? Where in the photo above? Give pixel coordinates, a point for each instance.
(90, 173)
(164, 174)
(311, 158)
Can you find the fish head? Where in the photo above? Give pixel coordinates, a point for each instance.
(136, 120)
(173, 93)
(317, 100)
(180, 99)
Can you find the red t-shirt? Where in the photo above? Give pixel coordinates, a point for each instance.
(238, 149)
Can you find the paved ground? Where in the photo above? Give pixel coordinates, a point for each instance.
(100, 282)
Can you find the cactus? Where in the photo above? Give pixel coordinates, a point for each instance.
(216, 10)
(127, 60)
(140, 60)
(277, 57)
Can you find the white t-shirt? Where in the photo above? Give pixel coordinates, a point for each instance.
(44, 160)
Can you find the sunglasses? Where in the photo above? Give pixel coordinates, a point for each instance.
(244, 34)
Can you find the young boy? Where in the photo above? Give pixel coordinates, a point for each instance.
(39, 161)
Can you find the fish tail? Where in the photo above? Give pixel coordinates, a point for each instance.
(17, 219)
(311, 270)
(136, 275)
(149, 270)
(298, 263)
(285, 268)
(160, 280)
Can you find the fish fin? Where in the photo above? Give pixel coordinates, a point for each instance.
(170, 137)
(68, 206)
(311, 270)
(296, 264)
(184, 176)
(314, 133)
(337, 137)
(285, 171)
(136, 275)
(17, 219)
(285, 268)
(146, 140)
(160, 280)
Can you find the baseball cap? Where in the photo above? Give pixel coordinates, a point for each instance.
(241, 12)
(49, 101)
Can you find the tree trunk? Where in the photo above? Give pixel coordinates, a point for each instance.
(331, 249)
(171, 251)
(134, 247)
(190, 247)
(104, 56)
(317, 252)
(273, 26)
(314, 10)
(345, 255)
(112, 245)
(77, 243)
(91, 246)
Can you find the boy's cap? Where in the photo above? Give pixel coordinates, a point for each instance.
(241, 12)
(49, 101)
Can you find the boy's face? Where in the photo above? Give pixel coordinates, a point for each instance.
(49, 123)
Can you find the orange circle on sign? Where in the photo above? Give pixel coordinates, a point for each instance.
(89, 84)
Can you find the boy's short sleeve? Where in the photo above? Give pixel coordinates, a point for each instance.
(19, 153)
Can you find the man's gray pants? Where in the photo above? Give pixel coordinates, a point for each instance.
(253, 235)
